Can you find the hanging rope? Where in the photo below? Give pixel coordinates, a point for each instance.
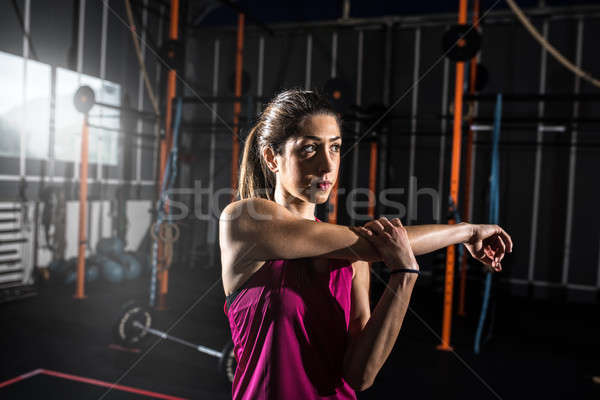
(168, 232)
(138, 53)
(549, 48)
(493, 213)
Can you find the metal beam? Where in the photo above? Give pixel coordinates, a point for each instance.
(441, 19)
(533, 97)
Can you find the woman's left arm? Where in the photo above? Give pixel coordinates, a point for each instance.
(486, 243)
(427, 238)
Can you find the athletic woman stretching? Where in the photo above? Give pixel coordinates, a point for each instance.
(298, 289)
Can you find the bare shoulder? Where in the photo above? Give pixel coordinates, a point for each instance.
(239, 235)
(255, 207)
(241, 219)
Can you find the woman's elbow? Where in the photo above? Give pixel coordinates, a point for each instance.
(359, 382)
(361, 386)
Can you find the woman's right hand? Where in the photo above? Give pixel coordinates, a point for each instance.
(391, 240)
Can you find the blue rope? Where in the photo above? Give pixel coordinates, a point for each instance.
(493, 212)
(167, 184)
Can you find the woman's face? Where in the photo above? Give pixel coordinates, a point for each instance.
(309, 167)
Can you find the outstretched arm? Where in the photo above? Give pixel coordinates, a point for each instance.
(259, 229)
(427, 238)
(486, 243)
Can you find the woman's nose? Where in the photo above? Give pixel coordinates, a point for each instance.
(326, 162)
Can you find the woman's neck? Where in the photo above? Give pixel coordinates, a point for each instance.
(295, 205)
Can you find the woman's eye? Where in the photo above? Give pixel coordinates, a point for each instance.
(337, 147)
(309, 148)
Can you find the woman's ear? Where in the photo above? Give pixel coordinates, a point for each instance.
(270, 159)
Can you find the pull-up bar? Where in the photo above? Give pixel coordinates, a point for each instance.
(223, 99)
(543, 128)
(526, 97)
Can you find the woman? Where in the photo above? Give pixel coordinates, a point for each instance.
(298, 289)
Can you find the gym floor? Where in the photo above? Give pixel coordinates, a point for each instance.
(538, 349)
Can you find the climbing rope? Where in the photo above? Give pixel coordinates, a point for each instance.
(493, 213)
(549, 48)
(165, 231)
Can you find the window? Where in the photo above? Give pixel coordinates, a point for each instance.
(103, 144)
(26, 110)
(11, 104)
(37, 109)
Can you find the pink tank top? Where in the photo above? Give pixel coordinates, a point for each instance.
(289, 336)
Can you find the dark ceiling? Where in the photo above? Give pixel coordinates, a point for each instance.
(214, 12)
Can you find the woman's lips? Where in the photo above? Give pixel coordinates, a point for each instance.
(324, 185)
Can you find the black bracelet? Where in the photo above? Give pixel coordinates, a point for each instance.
(410, 270)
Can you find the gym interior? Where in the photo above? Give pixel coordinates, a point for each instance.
(122, 128)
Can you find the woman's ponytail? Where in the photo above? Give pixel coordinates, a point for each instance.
(256, 180)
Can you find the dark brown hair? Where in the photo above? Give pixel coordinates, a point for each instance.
(281, 119)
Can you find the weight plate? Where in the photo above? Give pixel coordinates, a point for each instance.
(339, 94)
(461, 42)
(172, 52)
(125, 331)
(228, 362)
(84, 99)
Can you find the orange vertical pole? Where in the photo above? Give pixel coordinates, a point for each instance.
(165, 146)
(372, 178)
(333, 198)
(333, 202)
(83, 175)
(237, 106)
(468, 165)
(372, 182)
(454, 183)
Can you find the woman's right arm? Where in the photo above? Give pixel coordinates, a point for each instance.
(260, 229)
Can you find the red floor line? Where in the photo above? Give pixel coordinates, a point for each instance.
(20, 378)
(109, 385)
(121, 348)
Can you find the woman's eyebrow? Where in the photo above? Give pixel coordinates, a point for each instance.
(318, 138)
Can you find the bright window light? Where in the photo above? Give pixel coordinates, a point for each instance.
(37, 109)
(11, 104)
(68, 121)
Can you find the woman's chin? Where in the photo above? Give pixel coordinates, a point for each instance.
(317, 197)
(321, 197)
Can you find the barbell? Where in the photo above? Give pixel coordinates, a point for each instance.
(135, 324)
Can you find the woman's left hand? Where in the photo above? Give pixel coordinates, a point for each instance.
(488, 244)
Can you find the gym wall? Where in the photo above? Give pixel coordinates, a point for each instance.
(419, 95)
(513, 69)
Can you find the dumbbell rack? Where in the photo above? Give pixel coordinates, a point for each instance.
(16, 277)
